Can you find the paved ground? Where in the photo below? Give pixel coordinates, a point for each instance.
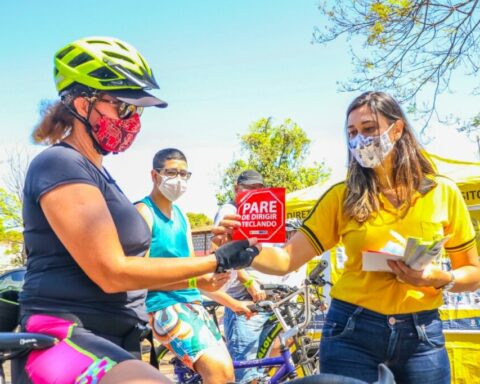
(6, 368)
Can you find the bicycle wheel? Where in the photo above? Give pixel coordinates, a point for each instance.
(164, 357)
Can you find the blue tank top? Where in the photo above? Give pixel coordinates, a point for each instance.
(169, 239)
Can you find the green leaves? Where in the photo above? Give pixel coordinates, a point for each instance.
(198, 220)
(411, 49)
(278, 152)
(11, 225)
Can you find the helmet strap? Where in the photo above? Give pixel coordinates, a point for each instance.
(88, 126)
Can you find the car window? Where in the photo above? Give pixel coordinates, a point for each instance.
(18, 276)
(12, 280)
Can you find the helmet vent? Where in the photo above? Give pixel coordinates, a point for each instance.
(103, 73)
(64, 52)
(121, 45)
(80, 59)
(117, 56)
(143, 62)
(114, 83)
(98, 42)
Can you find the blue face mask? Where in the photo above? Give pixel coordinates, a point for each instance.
(370, 151)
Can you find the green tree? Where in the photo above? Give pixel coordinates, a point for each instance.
(198, 220)
(277, 152)
(407, 47)
(11, 223)
(11, 226)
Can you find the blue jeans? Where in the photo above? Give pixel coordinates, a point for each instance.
(355, 340)
(242, 338)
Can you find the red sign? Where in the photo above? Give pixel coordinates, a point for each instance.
(263, 215)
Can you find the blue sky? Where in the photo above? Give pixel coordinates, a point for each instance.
(221, 65)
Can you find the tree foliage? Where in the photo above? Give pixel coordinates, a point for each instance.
(198, 220)
(411, 46)
(17, 161)
(278, 153)
(11, 199)
(11, 226)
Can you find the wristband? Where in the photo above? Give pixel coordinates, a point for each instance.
(447, 287)
(192, 283)
(247, 284)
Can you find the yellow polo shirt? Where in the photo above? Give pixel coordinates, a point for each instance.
(440, 211)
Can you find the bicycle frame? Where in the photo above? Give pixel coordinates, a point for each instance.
(284, 362)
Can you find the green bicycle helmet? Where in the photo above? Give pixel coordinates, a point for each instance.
(106, 64)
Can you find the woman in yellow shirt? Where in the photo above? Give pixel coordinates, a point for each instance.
(391, 188)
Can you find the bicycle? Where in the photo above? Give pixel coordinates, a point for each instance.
(14, 345)
(289, 321)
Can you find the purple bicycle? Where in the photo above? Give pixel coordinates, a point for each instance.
(291, 315)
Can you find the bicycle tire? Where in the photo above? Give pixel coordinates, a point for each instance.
(162, 355)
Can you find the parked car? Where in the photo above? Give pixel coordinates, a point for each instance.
(11, 283)
(12, 279)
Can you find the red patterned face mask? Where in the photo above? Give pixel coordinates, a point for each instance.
(116, 135)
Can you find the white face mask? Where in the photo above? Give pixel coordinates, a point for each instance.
(370, 151)
(172, 188)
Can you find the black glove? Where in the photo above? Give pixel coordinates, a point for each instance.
(235, 255)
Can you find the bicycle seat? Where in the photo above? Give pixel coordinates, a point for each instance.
(210, 305)
(22, 341)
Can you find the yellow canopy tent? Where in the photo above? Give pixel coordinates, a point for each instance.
(299, 203)
(466, 175)
(461, 314)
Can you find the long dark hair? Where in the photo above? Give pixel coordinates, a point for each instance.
(409, 162)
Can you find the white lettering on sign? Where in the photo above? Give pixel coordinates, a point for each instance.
(263, 215)
(260, 207)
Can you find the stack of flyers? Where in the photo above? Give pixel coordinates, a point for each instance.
(419, 253)
(414, 252)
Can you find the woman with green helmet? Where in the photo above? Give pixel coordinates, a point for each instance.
(86, 278)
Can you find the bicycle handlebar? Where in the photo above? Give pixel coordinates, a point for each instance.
(314, 279)
(261, 306)
(276, 287)
(22, 341)
(321, 266)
